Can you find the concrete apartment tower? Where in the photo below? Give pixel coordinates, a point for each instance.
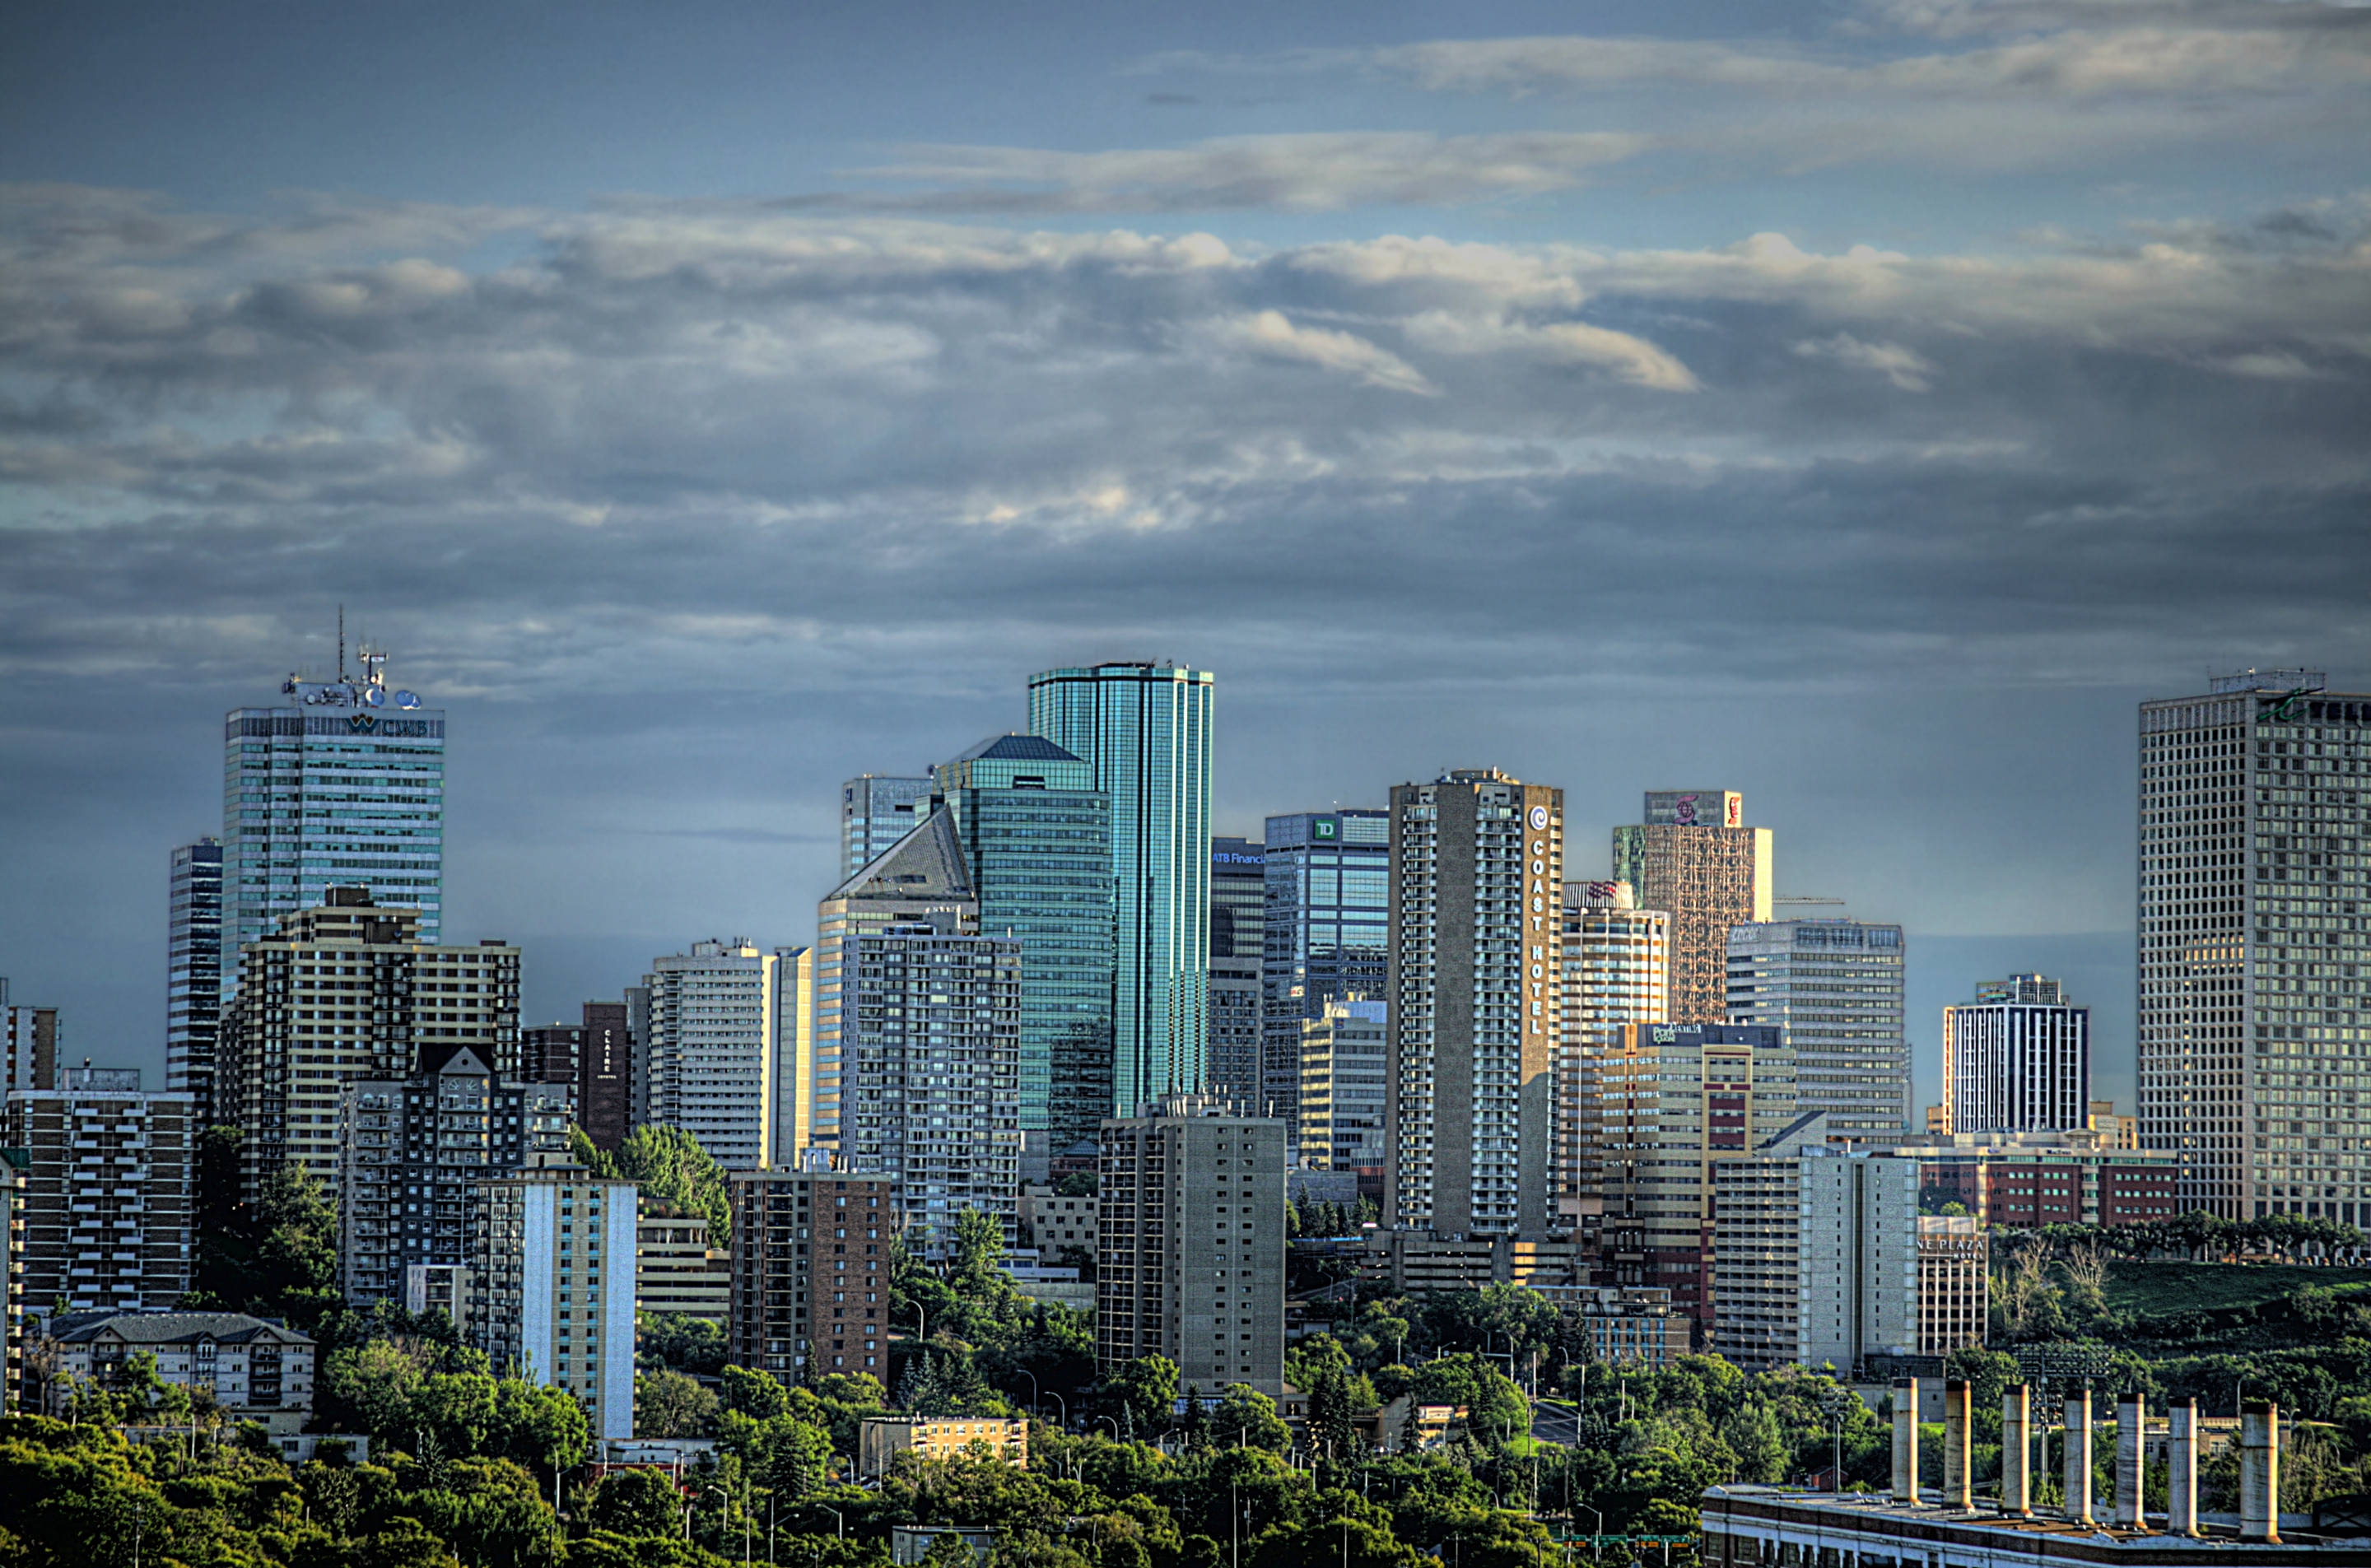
(1836, 988)
(1695, 858)
(927, 1035)
(1476, 1003)
(1145, 729)
(719, 1017)
(550, 1296)
(2252, 915)
(347, 991)
(1190, 1260)
(2017, 1059)
(810, 1272)
(106, 1202)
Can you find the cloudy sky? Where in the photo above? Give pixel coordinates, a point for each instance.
(1860, 404)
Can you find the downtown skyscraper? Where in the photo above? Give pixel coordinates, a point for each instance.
(1238, 944)
(1476, 1003)
(1145, 729)
(1834, 988)
(1329, 899)
(2017, 1059)
(2254, 1048)
(1695, 858)
(1036, 835)
(342, 786)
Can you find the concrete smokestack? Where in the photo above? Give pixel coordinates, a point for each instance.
(1955, 1446)
(1905, 1439)
(2181, 1466)
(2078, 1506)
(2260, 1473)
(2132, 1413)
(2016, 1451)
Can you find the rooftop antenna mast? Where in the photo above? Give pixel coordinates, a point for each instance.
(341, 644)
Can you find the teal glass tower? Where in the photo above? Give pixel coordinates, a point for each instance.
(1037, 834)
(1145, 729)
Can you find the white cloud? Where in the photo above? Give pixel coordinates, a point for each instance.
(1268, 335)
(1629, 358)
(1317, 171)
(1906, 368)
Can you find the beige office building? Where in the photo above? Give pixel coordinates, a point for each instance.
(1695, 858)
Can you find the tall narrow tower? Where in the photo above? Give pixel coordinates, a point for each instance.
(1476, 1003)
(1145, 729)
(2252, 927)
(344, 786)
(193, 972)
(1695, 858)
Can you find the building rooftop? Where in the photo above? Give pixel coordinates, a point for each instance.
(170, 1327)
(1017, 747)
(2044, 1537)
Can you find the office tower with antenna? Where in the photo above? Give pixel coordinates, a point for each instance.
(342, 784)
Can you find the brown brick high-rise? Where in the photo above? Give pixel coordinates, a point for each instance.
(810, 1272)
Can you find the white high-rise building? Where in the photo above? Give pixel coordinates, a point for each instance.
(2255, 1053)
(1835, 987)
(1617, 970)
(343, 787)
(1822, 1258)
(926, 1035)
(550, 1295)
(1476, 1003)
(2017, 1059)
(720, 1019)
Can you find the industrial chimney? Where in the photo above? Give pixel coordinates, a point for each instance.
(2016, 1451)
(2181, 1468)
(1955, 1446)
(2132, 1413)
(2260, 1473)
(2079, 1457)
(1905, 1440)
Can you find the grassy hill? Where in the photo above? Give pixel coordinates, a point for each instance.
(2165, 1289)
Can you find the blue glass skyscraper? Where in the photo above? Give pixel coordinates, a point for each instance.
(1037, 834)
(1328, 877)
(1145, 729)
(344, 786)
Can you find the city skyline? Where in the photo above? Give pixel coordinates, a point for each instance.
(597, 965)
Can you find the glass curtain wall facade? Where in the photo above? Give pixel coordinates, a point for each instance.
(876, 810)
(193, 954)
(1328, 881)
(1036, 839)
(1145, 729)
(1238, 916)
(344, 787)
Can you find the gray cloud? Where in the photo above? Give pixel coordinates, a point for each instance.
(688, 511)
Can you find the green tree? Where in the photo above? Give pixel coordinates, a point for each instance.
(666, 1164)
(637, 1503)
(759, 1395)
(668, 1404)
(1248, 1417)
(1145, 1390)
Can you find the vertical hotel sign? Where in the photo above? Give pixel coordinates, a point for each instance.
(1542, 919)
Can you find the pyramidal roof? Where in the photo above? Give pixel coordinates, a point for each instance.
(1018, 748)
(926, 863)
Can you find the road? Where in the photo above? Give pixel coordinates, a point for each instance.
(1555, 1420)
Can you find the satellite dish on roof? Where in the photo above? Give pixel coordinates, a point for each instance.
(407, 699)
(374, 696)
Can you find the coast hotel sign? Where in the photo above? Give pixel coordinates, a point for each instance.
(1543, 912)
